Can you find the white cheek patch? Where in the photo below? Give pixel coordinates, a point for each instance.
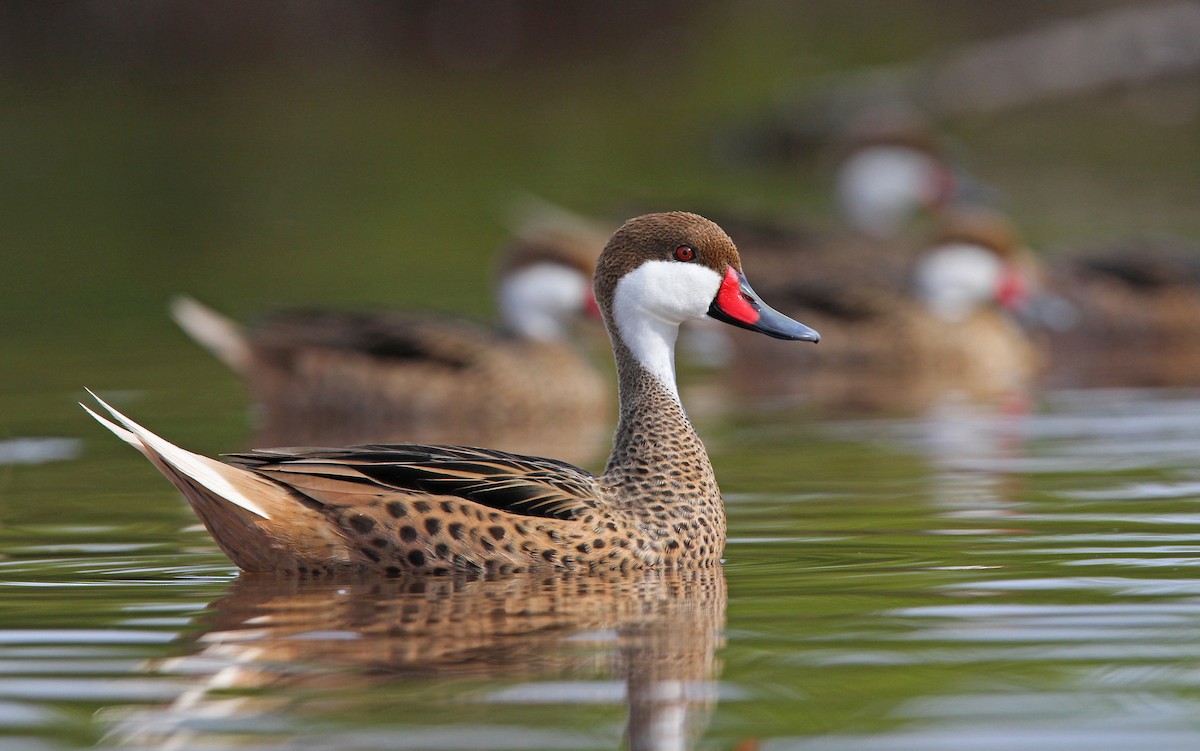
(669, 290)
(539, 301)
(957, 278)
(649, 304)
(878, 187)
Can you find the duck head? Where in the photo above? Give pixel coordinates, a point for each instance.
(660, 270)
(881, 186)
(891, 166)
(977, 259)
(544, 281)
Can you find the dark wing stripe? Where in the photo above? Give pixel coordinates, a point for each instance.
(506, 482)
(518, 494)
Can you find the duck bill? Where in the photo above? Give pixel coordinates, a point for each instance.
(737, 304)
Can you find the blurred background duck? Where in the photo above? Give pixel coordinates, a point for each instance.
(901, 331)
(890, 175)
(1143, 293)
(891, 168)
(327, 377)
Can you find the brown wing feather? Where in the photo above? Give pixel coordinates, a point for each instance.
(516, 484)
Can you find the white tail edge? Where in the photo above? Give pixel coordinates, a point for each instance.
(209, 473)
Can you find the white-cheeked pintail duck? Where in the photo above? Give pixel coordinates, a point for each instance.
(334, 378)
(902, 331)
(388, 509)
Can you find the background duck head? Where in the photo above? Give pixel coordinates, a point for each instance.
(891, 168)
(976, 260)
(544, 275)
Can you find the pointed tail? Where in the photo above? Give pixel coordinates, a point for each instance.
(259, 523)
(221, 481)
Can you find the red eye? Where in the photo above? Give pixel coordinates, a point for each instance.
(685, 253)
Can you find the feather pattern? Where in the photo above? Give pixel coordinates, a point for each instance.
(515, 484)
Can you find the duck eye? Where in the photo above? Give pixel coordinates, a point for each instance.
(685, 253)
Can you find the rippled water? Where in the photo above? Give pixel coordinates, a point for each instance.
(969, 580)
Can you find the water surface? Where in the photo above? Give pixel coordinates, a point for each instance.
(971, 579)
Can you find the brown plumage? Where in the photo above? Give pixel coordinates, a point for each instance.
(895, 342)
(1137, 321)
(333, 378)
(387, 509)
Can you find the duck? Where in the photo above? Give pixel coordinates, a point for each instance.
(335, 377)
(905, 330)
(390, 509)
(1141, 291)
(885, 178)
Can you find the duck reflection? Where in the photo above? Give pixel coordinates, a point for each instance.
(647, 639)
(972, 449)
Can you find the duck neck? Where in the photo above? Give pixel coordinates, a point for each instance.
(657, 456)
